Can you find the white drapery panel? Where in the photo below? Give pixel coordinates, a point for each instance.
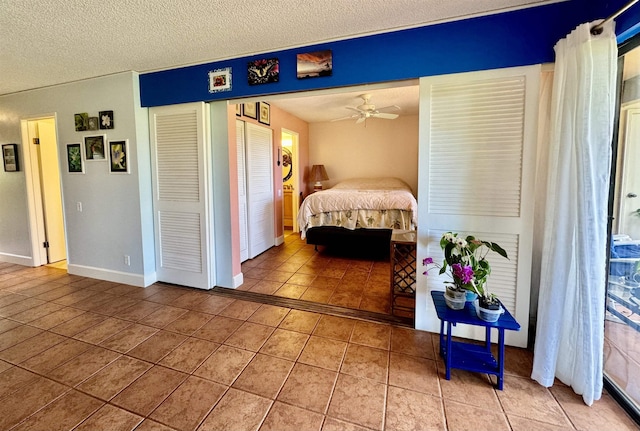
(570, 325)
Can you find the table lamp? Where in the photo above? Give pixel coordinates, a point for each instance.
(318, 174)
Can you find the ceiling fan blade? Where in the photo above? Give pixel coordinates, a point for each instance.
(385, 116)
(389, 108)
(353, 109)
(350, 117)
(361, 120)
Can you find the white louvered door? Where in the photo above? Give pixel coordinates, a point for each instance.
(242, 190)
(477, 177)
(180, 172)
(260, 200)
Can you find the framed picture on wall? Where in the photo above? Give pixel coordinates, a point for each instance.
(220, 80)
(265, 113)
(106, 119)
(92, 123)
(10, 157)
(94, 147)
(118, 157)
(249, 110)
(74, 159)
(81, 121)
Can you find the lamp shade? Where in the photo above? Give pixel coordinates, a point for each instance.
(318, 173)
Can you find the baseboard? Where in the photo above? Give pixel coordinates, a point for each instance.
(238, 280)
(16, 259)
(113, 276)
(280, 240)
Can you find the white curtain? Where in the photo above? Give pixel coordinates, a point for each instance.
(570, 324)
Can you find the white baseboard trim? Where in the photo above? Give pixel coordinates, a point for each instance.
(113, 276)
(238, 280)
(16, 259)
(280, 240)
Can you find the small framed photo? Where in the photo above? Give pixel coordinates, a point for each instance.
(106, 120)
(10, 157)
(314, 64)
(238, 109)
(74, 159)
(265, 113)
(81, 121)
(118, 157)
(92, 123)
(94, 147)
(263, 71)
(249, 110)
(220, 80)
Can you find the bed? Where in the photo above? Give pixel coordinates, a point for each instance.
(360, 210)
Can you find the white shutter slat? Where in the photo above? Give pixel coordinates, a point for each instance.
(180, 237)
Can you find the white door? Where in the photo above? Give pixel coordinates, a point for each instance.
(260, 199)
(51, 190)
(242, 190)
(629, 217)
(477, 167)
(180, 177)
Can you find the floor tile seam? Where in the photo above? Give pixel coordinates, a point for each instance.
(560, 405)
(41, 408)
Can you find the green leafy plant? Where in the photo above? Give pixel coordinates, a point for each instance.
(465, 259)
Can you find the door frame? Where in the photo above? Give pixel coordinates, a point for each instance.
(34, 194)
(295, 199)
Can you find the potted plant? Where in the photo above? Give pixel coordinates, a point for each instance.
(465, 261)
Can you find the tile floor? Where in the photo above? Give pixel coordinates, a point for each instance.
(83, 354)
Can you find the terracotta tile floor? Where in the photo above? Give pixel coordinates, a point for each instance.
(78, 353)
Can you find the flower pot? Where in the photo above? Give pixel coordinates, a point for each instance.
(489, 313)
(455, 299)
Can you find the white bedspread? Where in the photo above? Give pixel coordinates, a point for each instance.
(336, 206)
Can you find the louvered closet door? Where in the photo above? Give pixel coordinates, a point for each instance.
(242, 190)
(259, 189)
(477, 177)
(180, 194)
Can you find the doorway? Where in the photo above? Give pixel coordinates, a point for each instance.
(290, 180)
(42, 170)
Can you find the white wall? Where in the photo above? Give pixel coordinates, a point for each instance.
(117, 218)
(375, 148)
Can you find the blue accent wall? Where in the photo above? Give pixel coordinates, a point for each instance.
(516, 38)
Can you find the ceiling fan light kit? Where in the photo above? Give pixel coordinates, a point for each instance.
(368, 110)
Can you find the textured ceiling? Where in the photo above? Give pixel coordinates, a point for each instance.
(48, 42)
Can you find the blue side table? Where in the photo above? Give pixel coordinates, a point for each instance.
(468, 356)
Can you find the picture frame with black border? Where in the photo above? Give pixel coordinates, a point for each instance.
(249, 110)
(264, 110)
(106, 120)
(118, 157)
(75, 164)
(94, 148)
(10, 157)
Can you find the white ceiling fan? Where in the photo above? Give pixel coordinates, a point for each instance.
(368, 110)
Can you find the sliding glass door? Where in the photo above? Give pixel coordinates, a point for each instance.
(622, 321)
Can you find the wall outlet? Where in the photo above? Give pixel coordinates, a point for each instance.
(79, 206)
(127, 260)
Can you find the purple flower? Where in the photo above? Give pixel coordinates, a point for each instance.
(462, 273)
(427, 261)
